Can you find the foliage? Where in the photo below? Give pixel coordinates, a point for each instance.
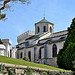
(2, 69)
(42, 73)
(2, 16)
(25, 63)
(59, 73)
(7, 4)
(29, 71)
(26, 58)
(1, 41)
(67, 55)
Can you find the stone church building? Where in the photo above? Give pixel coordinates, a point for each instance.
(41, 45)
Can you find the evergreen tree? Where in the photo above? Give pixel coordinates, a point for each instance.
(67, 55)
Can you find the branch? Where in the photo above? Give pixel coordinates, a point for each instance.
(5, 2)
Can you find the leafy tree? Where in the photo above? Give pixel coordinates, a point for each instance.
(67, 55)
(26, 58)
(6, 4)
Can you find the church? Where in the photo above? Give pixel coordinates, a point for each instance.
(41, 45)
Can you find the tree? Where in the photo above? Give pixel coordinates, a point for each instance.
(66, 55)
(26, 58)
(4, 4)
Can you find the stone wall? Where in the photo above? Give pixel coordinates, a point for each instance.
(10, 69)
(52, 61)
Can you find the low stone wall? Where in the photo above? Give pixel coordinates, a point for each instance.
(24, 67)
(52, 62)
(11, 69)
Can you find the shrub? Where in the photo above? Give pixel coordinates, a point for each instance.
(26, 58)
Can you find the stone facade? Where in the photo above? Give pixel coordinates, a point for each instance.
(5, 47)
(43, 26)
(2, 48)
(41, 46)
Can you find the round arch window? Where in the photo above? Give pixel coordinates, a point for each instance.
(38, 29)
(54, 50)
(29, 55)
(50, 29)
(40, 53)
(44, 29)
(21, 54)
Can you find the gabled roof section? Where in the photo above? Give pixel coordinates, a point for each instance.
(44, 21)
(57, 34)
(37, 36)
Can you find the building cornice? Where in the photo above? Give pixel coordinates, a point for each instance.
(44, 43)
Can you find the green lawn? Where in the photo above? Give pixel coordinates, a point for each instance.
(22, 62)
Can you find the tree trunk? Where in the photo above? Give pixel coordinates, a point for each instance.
(5, 3)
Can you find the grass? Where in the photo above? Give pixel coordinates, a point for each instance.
(25, 63)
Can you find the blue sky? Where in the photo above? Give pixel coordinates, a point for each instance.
(23, 18)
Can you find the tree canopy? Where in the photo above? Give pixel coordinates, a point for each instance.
(67, 55)
(6, 4)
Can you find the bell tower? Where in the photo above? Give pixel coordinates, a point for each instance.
(43, 26)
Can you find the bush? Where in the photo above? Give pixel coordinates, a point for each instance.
(26, 58)
(59, 73)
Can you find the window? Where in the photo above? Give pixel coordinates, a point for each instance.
(27, 43)
(54, 50)
(62, 38)
(29, 55)
(21, 55)
(44, 29)
(40, 53)
(38, 29)
(50, 29)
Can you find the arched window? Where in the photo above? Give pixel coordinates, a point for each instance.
(50, 29)
(38, 29)
(29, 55)
(21, 55)
(40, 53)
(44, 29)
(54, 50)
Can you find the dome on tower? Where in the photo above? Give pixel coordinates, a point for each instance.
(44, 21)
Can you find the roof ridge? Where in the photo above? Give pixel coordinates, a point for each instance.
(44, 21)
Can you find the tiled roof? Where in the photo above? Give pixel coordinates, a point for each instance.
(44, 21)
(37, 36)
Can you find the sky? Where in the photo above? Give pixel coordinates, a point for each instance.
(22, 18)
